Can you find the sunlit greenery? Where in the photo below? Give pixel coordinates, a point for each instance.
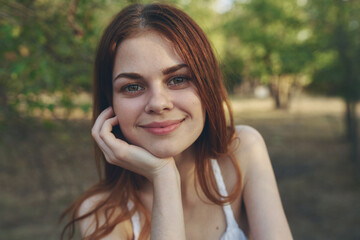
(47, 48)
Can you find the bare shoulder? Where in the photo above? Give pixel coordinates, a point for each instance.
(87, 225)
(248, 136)
(90, 203)
(245, 147)
(250, 150)
(261, 196)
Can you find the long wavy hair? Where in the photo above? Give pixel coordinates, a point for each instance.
(214, 142)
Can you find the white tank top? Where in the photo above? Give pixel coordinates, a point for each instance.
(232, 232)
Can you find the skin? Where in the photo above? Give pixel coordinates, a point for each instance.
(143, 94)
(150, 77)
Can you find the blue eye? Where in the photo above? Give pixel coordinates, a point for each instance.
(178, 80)
(132, 88)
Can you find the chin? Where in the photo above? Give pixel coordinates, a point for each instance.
(163, 153)
(160, 149)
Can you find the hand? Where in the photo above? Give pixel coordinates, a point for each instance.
(120, 153)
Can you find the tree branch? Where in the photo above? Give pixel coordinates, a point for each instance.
(79, 32)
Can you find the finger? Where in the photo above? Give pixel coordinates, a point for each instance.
(118, 146)
(117, 149)
(107, 113)
(106, 129)
(121, 149)
(108, 124)
(95, 132)
(101, 119)
(99, 122)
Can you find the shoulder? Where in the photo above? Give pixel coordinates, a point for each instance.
(249, 137)
(246, 147)
(90, 203)
(92, 218)
(262, 201)
(250, 149)
(86, 211)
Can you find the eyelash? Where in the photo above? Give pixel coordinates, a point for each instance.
(183, 78)
(127, 90)
(140, 88)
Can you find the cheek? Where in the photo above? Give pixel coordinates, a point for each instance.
(126, 121)
(197, 106)
(200, 111)
(191, 103)
(126, 111)
(201, 114)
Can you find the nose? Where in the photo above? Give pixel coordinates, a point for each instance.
(159, 101)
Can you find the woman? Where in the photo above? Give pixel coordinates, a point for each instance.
(169, 161)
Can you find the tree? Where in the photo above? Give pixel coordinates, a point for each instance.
(48, 49)
(268, 37)
(337, 72)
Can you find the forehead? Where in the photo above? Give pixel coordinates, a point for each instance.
(147, 50)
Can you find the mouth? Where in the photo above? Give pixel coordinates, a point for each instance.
(162, 128)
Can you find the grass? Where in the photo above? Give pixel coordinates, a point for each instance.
(45, 165)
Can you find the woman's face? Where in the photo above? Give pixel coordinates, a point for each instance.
(154, 97)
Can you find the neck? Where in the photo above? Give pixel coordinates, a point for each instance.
(185, 163)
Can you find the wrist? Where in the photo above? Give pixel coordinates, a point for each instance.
(168, 172)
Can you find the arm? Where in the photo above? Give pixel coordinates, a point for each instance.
(167, 213)
(87, 225)
(167, 221)
(266, 216)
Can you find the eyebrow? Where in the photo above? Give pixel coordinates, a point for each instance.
(128, 75)
(137, 76)
(174, 68)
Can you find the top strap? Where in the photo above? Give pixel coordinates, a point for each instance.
(230, 218)
(135, 221)
(229, 215)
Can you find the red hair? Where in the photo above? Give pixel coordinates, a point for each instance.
(215, 140)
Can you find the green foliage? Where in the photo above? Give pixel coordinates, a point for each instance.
(47, 50)
(47, 46)
(336, 70)
(232, 70)
(268, 34)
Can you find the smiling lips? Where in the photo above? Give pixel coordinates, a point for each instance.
(162, 128)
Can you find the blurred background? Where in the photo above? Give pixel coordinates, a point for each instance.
(292, 69)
